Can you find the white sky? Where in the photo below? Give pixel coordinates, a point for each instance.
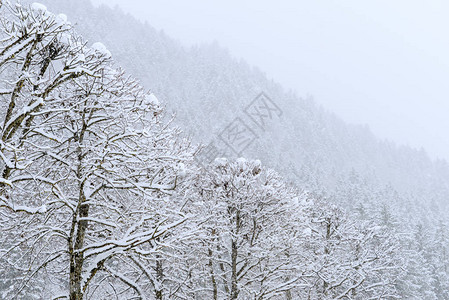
(384, 63)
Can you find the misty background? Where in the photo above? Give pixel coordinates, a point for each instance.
(380, 63)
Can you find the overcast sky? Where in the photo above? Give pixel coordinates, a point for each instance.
(384, 63)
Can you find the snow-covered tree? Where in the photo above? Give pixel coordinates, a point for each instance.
(440, 260)
(347, 260)
(245, 245)
(88, 163)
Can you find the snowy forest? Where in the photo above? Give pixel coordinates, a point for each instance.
(120, 178)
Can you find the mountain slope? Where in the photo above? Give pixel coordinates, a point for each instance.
(208, 88)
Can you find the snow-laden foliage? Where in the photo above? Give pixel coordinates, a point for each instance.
(246, 234)
(260, 239)
(88, 165)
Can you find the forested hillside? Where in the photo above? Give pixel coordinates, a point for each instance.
(207, 88)
(366, 219)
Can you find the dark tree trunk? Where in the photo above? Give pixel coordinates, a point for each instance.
(212, 276)
(234, 287)
(159, 278)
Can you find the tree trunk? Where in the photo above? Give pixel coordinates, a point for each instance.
(78, 231)
(223, 270)
(159, 278)
(234, 288)
(77, 259)
(212, 276)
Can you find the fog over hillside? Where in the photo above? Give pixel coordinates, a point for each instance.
(106, 190)
(381, 63)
